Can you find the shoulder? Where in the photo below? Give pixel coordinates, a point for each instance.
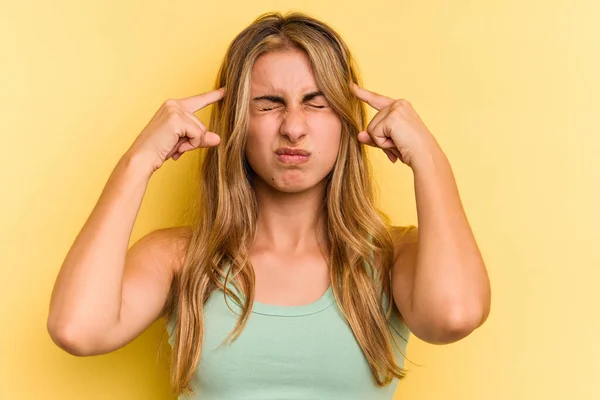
(165, 246)
(404, 239)
(160, 254)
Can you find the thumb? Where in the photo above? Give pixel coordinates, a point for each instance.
(365, 138)
(210, 139)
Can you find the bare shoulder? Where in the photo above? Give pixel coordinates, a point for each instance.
(150, 266)
(152, 263)
(164, 247)
(404, 238)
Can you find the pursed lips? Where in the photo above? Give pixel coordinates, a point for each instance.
(291, 155)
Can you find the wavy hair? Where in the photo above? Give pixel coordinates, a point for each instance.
(224, 220)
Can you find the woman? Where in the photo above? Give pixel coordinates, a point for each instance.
(280, 287)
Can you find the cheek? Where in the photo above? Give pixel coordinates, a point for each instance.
(259, 142)
(254, 149)
(258, 132)
(327, 141)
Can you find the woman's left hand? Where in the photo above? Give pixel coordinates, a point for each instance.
(396, 128)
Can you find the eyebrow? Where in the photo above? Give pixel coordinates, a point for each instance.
(279, 99)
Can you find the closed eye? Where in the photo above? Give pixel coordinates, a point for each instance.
(271, 108)
(273, 99)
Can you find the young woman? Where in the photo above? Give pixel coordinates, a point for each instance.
(281, 286)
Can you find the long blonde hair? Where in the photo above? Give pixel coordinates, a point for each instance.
(224, 223)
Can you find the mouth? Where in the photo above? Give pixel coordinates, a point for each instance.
(290, 155)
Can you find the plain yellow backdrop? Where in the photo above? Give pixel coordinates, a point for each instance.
(509, 88)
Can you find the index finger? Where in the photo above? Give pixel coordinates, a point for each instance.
(375, 100)
(199, 101)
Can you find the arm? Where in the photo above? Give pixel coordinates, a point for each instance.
(104, 295)
(439, 280)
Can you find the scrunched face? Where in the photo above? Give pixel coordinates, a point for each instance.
(293, 133)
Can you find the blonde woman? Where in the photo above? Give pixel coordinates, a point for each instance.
(281, 286)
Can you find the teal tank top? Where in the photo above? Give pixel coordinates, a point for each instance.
(286, 352)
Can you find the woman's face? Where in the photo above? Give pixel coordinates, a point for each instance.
(294, 135)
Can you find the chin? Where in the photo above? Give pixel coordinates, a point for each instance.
(294, 183)
(291, 187)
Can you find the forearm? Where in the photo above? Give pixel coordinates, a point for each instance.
(87, 291)
(450, 281)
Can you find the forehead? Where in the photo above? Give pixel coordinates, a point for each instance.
(285, 71)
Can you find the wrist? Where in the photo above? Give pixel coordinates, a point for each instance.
(428, 158)
(137, 164)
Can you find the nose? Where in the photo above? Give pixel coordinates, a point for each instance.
(294, 125)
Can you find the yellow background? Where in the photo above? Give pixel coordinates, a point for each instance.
(509, 88)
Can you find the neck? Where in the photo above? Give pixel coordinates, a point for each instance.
(289, 222)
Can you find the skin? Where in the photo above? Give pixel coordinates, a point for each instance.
(439, 279)
(289, 250)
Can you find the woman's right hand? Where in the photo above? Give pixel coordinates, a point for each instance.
(174, 129)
